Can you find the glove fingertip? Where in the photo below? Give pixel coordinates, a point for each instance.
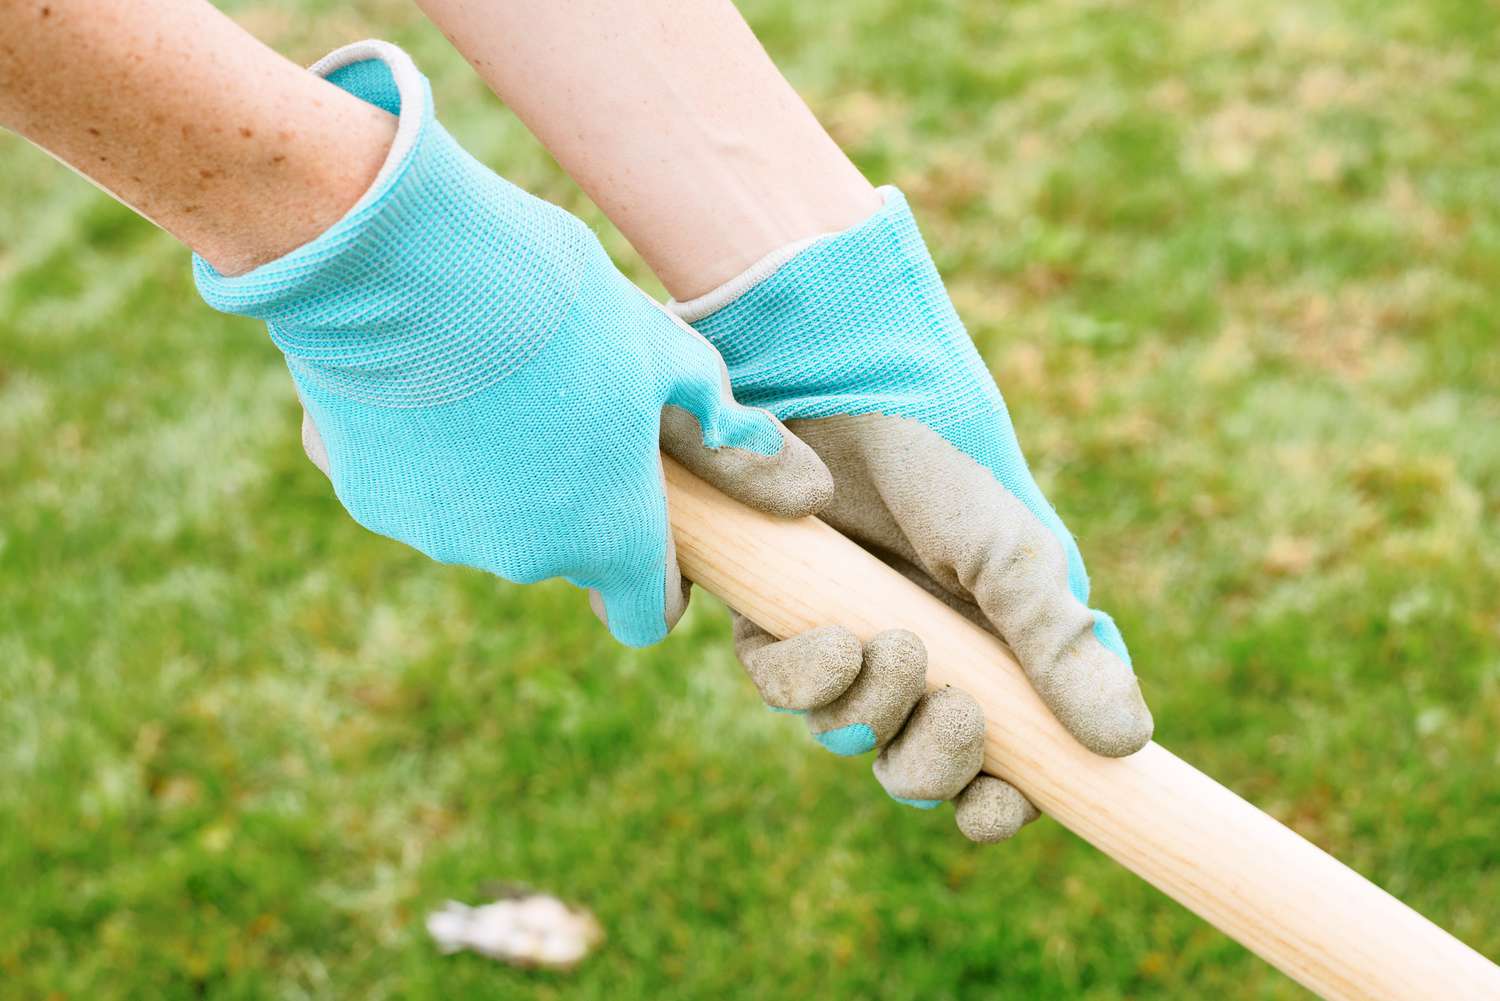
(991, 809)
(920, 804)
(804, 486)
(779, 475)
(802, 672)
(848, 741)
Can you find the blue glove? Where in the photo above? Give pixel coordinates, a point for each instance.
(852, 340)
(481, 383)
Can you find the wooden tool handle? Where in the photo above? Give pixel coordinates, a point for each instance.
(1299, 908)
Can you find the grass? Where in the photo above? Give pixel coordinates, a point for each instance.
(1235, 266)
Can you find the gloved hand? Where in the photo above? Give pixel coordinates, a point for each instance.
(480, 382)
(852, 341)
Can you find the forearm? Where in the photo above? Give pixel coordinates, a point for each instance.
(185, 117)
(673, 119)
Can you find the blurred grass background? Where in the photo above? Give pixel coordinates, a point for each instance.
(1236, 267)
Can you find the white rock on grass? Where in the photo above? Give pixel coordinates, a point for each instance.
(528, 930)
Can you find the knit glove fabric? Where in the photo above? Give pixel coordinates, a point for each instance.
(481, 383)
(852, 340)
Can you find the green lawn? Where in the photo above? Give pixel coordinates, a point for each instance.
(1237, 268)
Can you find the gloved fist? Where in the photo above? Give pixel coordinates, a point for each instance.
(859, 697)
(853, 342)
(481, 383)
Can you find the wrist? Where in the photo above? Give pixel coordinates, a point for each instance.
(675, 122)
(177, 112)
(746, 210)
(282, 201)
(700, 307)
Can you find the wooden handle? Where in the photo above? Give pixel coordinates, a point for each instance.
(1299, 908)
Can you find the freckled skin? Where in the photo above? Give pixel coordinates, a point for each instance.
(297, 151)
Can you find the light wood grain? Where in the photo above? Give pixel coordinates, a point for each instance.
(1293, 904)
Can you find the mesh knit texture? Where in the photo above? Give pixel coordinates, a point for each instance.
(859, 323)
(398, 304)
(487, 386)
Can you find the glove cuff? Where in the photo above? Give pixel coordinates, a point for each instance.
(868, 300)
(441, 280)
(710, 302)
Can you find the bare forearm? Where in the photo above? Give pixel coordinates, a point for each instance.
(184, 116)
(674, 120)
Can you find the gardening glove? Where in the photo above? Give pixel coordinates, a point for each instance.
(852, 341)
(481, 383)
